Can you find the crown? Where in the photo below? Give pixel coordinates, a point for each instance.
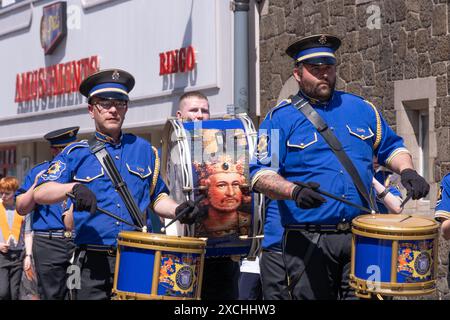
(222, 164)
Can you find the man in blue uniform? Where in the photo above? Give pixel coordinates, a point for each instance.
(220, 274)
(77, 170)
(317, 237)
(442, 211)
(53, 246)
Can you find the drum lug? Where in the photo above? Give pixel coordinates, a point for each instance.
(360, 288)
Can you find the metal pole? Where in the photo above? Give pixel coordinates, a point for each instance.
(241, 8)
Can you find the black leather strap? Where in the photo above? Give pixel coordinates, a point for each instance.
(305, 107)
(99, 150)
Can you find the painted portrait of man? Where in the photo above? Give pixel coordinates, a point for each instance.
(227, 202)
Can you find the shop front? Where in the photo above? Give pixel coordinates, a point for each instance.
(47, 48)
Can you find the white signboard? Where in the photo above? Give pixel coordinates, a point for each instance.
(132, 35)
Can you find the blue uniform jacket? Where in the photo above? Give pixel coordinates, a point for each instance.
(44, 217)
(135, 162)
(290, 145)
(442, 211)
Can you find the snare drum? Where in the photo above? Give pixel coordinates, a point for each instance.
(212, 158)
(394, 255)
(158, 267)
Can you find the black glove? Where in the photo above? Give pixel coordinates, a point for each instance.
(193, 213)
(415, 185)
(307, 198)
(85, 199)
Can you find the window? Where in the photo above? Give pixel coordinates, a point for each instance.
(415, 102)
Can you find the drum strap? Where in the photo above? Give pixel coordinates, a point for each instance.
(98, 149)
(316, 120)
(292, 281)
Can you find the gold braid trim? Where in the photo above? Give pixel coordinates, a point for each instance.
(159, 198)
(155, 171)
(378, 136)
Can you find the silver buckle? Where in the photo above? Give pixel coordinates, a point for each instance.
(67, 234)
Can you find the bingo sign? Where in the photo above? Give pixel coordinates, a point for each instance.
(53, 25)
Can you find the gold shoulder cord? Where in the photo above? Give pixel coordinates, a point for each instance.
(155, 171)
(378, 135)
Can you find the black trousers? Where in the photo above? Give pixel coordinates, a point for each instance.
(273, 276)
(326, 276)
(97, 275)
(11, 267)
(220, 279)
(52, 260)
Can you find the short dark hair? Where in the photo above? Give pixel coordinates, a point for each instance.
(193, 94)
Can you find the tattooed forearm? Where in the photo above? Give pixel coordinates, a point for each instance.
(274, 186)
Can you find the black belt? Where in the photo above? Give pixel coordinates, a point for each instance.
(109, 250)
(58, 234)
(340, 227)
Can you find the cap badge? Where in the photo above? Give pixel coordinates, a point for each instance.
(323, 39)
(116, 75)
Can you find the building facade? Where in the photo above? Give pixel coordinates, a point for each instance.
(48, 47)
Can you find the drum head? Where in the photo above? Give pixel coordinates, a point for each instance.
(161, 239)
(395, 223)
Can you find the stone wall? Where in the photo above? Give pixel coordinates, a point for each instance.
(410, 40)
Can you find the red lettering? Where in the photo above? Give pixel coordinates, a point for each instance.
(67, 77)
(41, 83)
(169, 62)
(76, 76)
(182, 60)
(34, 84)
(190, 60)
(51, 72)
(19, 95)
(162, 64)
(175, 61)
(84, 68)
(60, 77)
(54, 80)
(29, 86)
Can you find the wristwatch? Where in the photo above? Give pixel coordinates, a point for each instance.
(29, 255)
(383, 194)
